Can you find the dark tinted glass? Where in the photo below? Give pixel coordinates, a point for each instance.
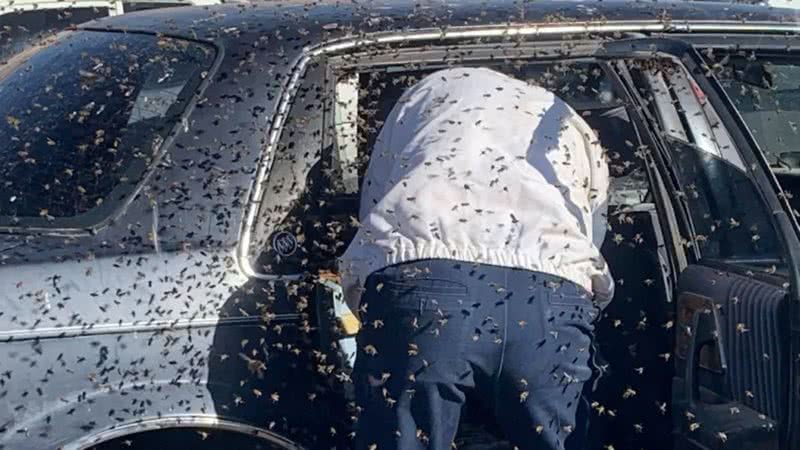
(767, 95)
(83, 118)
(728, 214)
(766, 91)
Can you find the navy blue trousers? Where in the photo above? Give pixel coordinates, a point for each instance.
(435, 329)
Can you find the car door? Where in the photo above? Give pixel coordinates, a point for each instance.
(736, 296)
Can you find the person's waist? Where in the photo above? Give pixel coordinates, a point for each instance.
(373, 257)
(443, 268)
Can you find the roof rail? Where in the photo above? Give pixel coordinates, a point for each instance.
(114, 7)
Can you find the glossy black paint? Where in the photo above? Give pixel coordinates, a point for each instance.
(98, 328)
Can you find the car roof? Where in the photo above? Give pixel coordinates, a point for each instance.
(304, 21)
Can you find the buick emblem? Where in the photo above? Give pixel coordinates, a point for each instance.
(284, 243)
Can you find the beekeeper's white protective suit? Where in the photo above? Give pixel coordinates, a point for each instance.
(524, 184)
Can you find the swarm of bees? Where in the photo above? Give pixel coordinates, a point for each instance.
(166, 223)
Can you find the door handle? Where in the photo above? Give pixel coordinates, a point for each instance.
(704, 333)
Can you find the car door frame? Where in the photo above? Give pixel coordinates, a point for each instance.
(757, 168)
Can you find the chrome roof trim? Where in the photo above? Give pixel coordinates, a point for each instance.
(115, 7)
(532, 30)
(546, 29)
(188, 421)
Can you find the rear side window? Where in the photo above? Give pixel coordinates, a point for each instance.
(84, 117)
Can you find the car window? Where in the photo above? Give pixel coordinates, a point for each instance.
(766, 92)
(84, 117)
(309, 211)
(729, 219)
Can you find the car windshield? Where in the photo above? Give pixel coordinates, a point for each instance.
(83, 117)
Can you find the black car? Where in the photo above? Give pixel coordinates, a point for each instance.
(175, 184)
